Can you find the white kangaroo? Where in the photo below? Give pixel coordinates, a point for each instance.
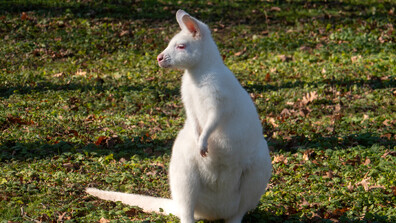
(220, 163)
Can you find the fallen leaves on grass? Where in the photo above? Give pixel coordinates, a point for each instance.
(100, 140)
(61, 74)
(104, 220)
(24, 16)
(280, 159)
(267, 77)
(387, 153)
(240, 52)
(272, 121)
(108, 142)
(309, 97)
(81, 73)
(15, 120)
(334, 215)
(285, 58)
(133, 212)
(275, 9)
(364, 183)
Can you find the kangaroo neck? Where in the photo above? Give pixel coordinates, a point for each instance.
(211, 62)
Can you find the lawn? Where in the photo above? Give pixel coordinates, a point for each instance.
(84, 103)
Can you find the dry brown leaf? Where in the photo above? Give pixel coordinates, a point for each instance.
(152, 173)
(387, 153)
(305, 157)
(304, 202)
(100, 140)
(286, 112)
(68, 165)
(81, 73)
(355, 58)
(386, 123)
(364, 183)
(367, 161)
(267, 77)
(273, 123)
(329, 174)
(386, 135)
(104, 220)
(61, 216)
(285, 58)
(280, 159)
(338, 213)
(124, 32)
(365, 117)
(309, 97)
(24, 16)
(17, 120)
(276, 9)
(377, 186)
(290, 103)
(238, 53)
(58, 75)
(337, 108)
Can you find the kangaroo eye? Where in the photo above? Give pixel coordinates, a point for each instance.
(181, 46)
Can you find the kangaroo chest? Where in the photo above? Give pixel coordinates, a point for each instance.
(198, 100)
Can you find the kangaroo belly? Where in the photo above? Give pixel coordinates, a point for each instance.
(220, 193)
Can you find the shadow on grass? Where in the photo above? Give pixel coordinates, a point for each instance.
(257, 216)
(120, 148)
(46, 86)
(347, 84)
(242, 12)
(125, 148)
(332, 142)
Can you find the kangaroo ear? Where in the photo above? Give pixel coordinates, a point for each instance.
(187, 22)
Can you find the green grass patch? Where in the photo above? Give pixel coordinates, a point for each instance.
(83, 103)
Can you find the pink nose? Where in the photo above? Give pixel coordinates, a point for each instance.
(160, 57)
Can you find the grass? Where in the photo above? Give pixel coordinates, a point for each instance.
(83, 103)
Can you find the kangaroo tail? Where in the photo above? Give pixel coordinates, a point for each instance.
(147, 203)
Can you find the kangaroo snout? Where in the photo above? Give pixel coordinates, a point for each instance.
(162, 61)
(160, 57)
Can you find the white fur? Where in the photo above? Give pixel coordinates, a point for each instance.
(220, 163)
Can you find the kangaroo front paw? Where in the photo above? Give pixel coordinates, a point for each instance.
(204, 151)
(203, 148)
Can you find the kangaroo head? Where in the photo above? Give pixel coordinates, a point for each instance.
(185, 50)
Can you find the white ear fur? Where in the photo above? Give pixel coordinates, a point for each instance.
(179, 15)
(187, 22)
